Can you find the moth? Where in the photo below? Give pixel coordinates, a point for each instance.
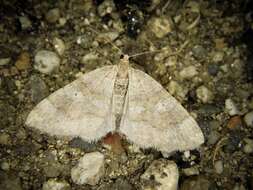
(118, 99)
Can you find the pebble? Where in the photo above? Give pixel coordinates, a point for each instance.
(52, 184)
(106, 8)
(218, 166)
(199, 51)
(160, 27)
(204, 94)
(161, 172)
(5, 139)
(78, 142)
(25, 22)
(53, 169)
(191, 171)
(59, 45)
(89, 170)
(177, 90)
(196, 183)
(38, 89)
(188, 72)
(248, 147)
(107, 37)
(5, 61)
(218, 57)
(23, 61)
(234, 122)
(53, 15)
(5, 166)
(248, 119)
(230, 107)
(46, 61)
(213, 137)
(90, 60)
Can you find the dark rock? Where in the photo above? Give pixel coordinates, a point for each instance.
(85, 146)
(38, 90)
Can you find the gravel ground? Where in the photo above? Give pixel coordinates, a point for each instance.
(204, 59)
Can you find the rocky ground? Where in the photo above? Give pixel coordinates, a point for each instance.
(204, 59)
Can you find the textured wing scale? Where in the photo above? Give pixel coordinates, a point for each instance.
(83, 108)
(153, 118)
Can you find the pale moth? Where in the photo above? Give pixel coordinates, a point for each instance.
(118, 99)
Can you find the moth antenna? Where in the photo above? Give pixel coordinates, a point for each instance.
(107, 40)
(155, 51)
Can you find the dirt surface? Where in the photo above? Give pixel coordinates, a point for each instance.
(200, 51)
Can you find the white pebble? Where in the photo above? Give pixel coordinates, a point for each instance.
(230, 107)
(89, 57)
(248, 119)
(204, 94)
(218, 57)
(248, 147)
(52, 184)
(89, 169)
(218, 165)
(5, 61)
(188, 72)
(164, 172)
(160, 26)
(46, 61)
(5, 166)
(59, 45)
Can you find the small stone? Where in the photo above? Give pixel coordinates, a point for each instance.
(89, 170)
(46, 61)
(204, 94)
(213, 137)
(218, 166)
(160, 27)
(199, 51)
(53, 169)
(106, 8)
(248, 147)
(5, 166)
(248, 119)
(38, 89)
(213, 69)
(23, 61)
(59, 45)
(234, 122)
(5, 61)
(107, 37)
(25, 22)
(164, 173)
(218, 57)
(196, 183)
(177, 90)
(90, 60)
(230, 107)
(191, 171)
(5, 139)
(188, 72)
(53, 184)
(78, 142)
(53, 15)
